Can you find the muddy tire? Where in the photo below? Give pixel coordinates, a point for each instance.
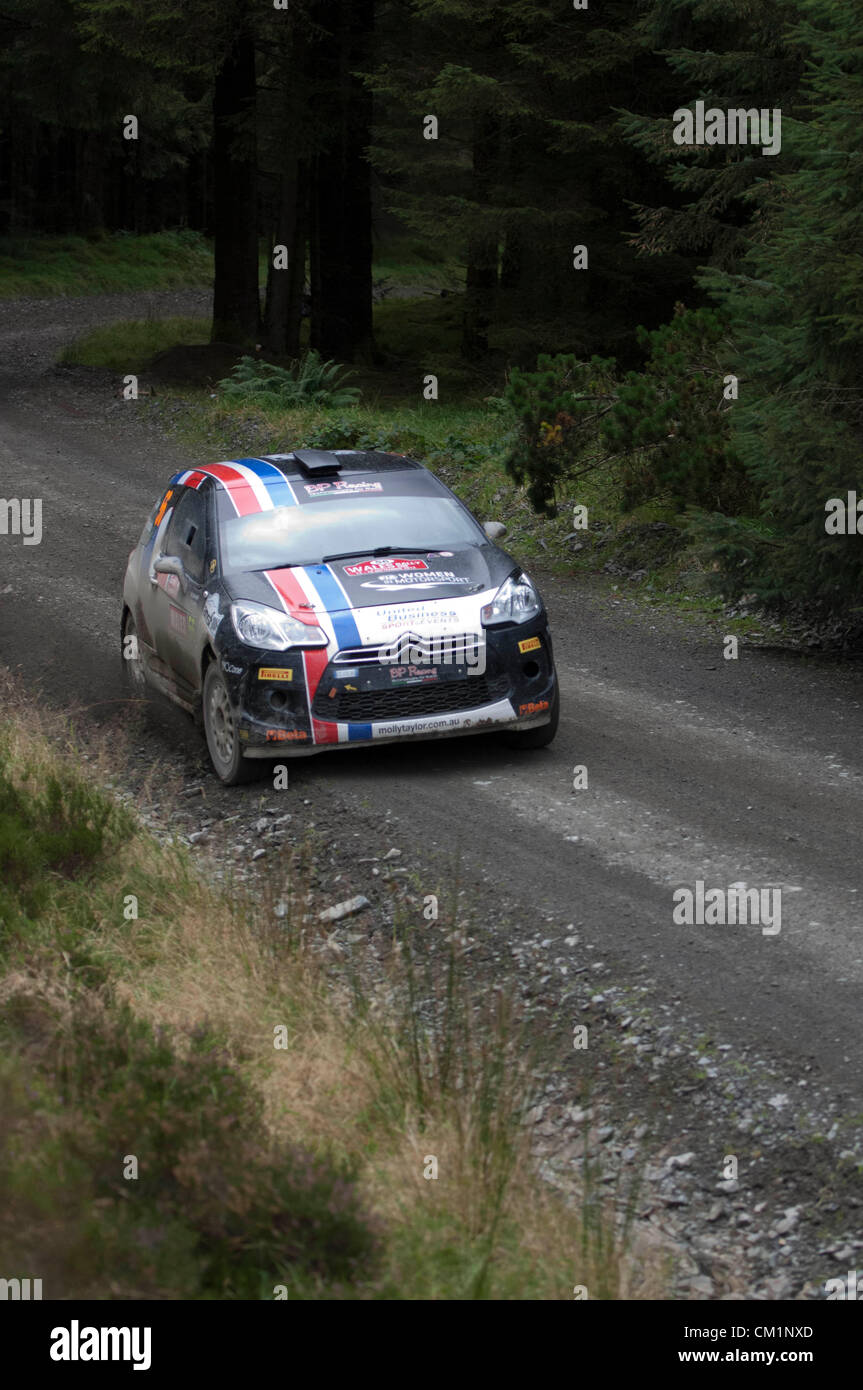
(133, 666)
(220, 728)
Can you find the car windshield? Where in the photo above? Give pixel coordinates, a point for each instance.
(303, 535)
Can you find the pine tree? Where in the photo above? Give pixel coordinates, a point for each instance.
(727, 53)
(173, 41)
(527, 164)
(796, 316)
(64, 164)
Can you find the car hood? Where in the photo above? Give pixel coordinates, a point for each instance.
(373, 581)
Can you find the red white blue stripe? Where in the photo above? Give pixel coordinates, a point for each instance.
(257, 485)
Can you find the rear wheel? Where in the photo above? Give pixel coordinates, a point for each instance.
(220, 727)
(540, 737)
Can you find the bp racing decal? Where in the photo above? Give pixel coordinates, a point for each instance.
(342, 485)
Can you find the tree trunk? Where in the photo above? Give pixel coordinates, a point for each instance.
(297, 272)
(341, 192)
(236, 307)
(481, 278)
(285, 287)
(278, 281)
(7, 185)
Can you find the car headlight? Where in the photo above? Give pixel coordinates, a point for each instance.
(515, 601)
(260, 626)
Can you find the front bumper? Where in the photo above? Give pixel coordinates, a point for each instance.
(294, 704)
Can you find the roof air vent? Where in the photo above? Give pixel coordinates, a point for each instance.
(317, 462)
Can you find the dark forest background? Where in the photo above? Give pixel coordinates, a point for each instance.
(710, 347)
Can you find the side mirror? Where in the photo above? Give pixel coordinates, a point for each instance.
(171, 564)
(495, 530)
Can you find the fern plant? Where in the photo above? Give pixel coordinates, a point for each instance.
(308, 381)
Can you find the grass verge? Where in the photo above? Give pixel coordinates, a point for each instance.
(106, 262)
(130, 345)
(103, 264)
(201, 1100)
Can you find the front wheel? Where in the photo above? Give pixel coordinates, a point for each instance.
(220, 727)
(133, 662)
(540, 737)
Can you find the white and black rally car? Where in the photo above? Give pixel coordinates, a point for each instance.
(311, 600)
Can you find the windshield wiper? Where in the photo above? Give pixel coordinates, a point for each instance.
(379, 550)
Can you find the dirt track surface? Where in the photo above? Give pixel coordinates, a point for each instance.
(735, 1042)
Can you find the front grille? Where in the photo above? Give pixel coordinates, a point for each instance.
(437, 697)
(452, 649)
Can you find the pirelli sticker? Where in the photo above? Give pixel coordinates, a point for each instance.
(530, 644)
(275, 673)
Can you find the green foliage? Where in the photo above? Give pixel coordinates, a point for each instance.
(129, 345)
(558, 408)
(310, 380)
(795, 311)
(253, 1214)
(217, 1210)
(353, 433)
(54, 827)
(394, 437)
(669, 422)
(66, 103)
(100, 264)
(736, 54)
(528, 161)
(665, 426)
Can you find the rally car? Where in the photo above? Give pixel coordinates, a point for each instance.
(317, 600)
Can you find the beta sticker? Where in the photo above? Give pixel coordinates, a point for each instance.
(530, 644)
(275, 673)
(534, 707)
